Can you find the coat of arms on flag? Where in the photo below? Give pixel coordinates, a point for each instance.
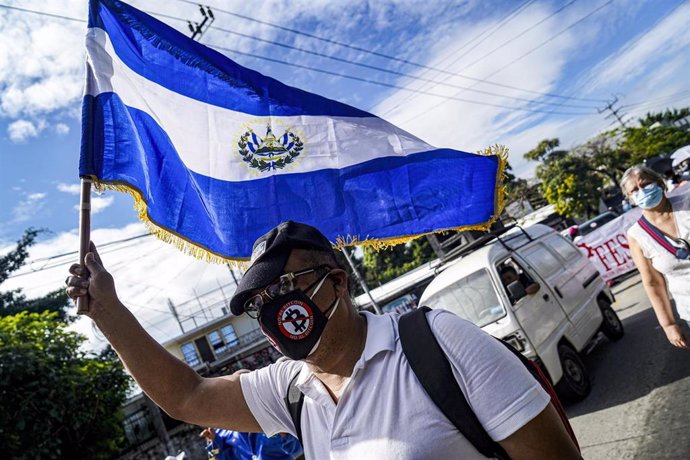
(157, 112)
(268, 152)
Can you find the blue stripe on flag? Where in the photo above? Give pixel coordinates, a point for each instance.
(382, 198)
(165, 56)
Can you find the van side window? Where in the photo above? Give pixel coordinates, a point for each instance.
(539, 256)
(510, 271)
(563, 247)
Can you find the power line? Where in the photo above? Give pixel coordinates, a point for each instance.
(632, 43)
(392, 72)
(386, 56)
(71, 253)
(368, 66)
(390, 85)
(481, 37)
(512, 39)
(657, 99)
(548, 40)
(41, 13)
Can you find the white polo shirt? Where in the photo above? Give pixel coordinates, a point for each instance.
(384, 412)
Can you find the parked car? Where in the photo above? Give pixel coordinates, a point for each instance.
(533, 288)
(592, 224)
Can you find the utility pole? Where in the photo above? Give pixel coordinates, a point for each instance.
(201, 306)
(199, 28)
(614, 112)
(173, 310)
(232, 273)
(358, 278)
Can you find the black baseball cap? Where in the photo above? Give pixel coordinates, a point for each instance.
(269, 255)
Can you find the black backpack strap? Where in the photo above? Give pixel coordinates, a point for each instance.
(294, 400)
(431, 366)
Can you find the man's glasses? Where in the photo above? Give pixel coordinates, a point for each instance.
(286, 283)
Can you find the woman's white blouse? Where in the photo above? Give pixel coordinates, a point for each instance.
(676, 271)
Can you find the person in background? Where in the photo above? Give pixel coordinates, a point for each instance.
(662, 258)
(234, 445)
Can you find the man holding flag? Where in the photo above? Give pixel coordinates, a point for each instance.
(218, 157)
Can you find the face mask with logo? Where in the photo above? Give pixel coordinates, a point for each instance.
(649, 196)
(293, 323)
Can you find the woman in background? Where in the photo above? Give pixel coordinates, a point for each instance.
(659, 247)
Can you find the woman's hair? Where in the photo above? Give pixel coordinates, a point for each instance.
(643, 172)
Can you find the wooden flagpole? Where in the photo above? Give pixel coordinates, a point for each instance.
(84, 235)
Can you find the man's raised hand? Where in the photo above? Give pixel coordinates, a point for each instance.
(94, 280)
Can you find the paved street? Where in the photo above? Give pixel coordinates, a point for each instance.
(639, 407)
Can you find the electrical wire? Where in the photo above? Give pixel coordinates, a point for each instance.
(548, 40)
(391, 85)
(629, 45)
(375, 82)
(72, 253)
(479, 40)
(42, 13)
(385, 56)
(384, 70)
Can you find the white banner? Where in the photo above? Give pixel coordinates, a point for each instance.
(607, 247)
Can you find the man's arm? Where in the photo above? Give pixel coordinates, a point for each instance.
(542, 437)
(169, 382)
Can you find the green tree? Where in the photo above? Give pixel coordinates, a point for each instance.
(667, 116)
(571, 180)
(645, 142)
(545, 151)
(57, 400)
(14, 301)
(386, 264)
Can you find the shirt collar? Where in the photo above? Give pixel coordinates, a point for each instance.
(381, 336)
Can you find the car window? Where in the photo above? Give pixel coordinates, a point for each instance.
(509, 270)
(598, 222)
(564, 248)
(544, 261)
(472, 298)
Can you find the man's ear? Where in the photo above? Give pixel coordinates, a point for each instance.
(340, 281)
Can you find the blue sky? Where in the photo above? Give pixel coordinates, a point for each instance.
(504, 56)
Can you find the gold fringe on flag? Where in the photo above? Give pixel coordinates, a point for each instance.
(501, 153)
(199, 252)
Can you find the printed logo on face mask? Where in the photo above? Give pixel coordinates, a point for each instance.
(295, 320)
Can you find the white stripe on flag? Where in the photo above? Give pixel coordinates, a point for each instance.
(206, 136)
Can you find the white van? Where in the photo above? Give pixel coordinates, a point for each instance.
(533, 288)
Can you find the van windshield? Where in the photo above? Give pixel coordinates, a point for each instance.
(472, 298)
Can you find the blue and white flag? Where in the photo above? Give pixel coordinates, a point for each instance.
(216, 154)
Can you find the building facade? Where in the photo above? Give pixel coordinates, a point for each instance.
(219, 347)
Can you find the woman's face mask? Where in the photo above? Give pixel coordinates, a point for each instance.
(649, 196)
(293, 323)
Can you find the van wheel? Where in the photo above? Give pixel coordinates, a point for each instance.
(612, 326)
(575, 384)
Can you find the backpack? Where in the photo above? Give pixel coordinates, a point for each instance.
(431, 366)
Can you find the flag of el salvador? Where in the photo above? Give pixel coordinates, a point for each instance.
(216, 154)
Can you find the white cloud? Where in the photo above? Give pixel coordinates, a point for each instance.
(36, 196)
(99, 204)
(72, 189)
(648, 51)
(31, 205)
(22, 130)
(147, 272)
(61, 129)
